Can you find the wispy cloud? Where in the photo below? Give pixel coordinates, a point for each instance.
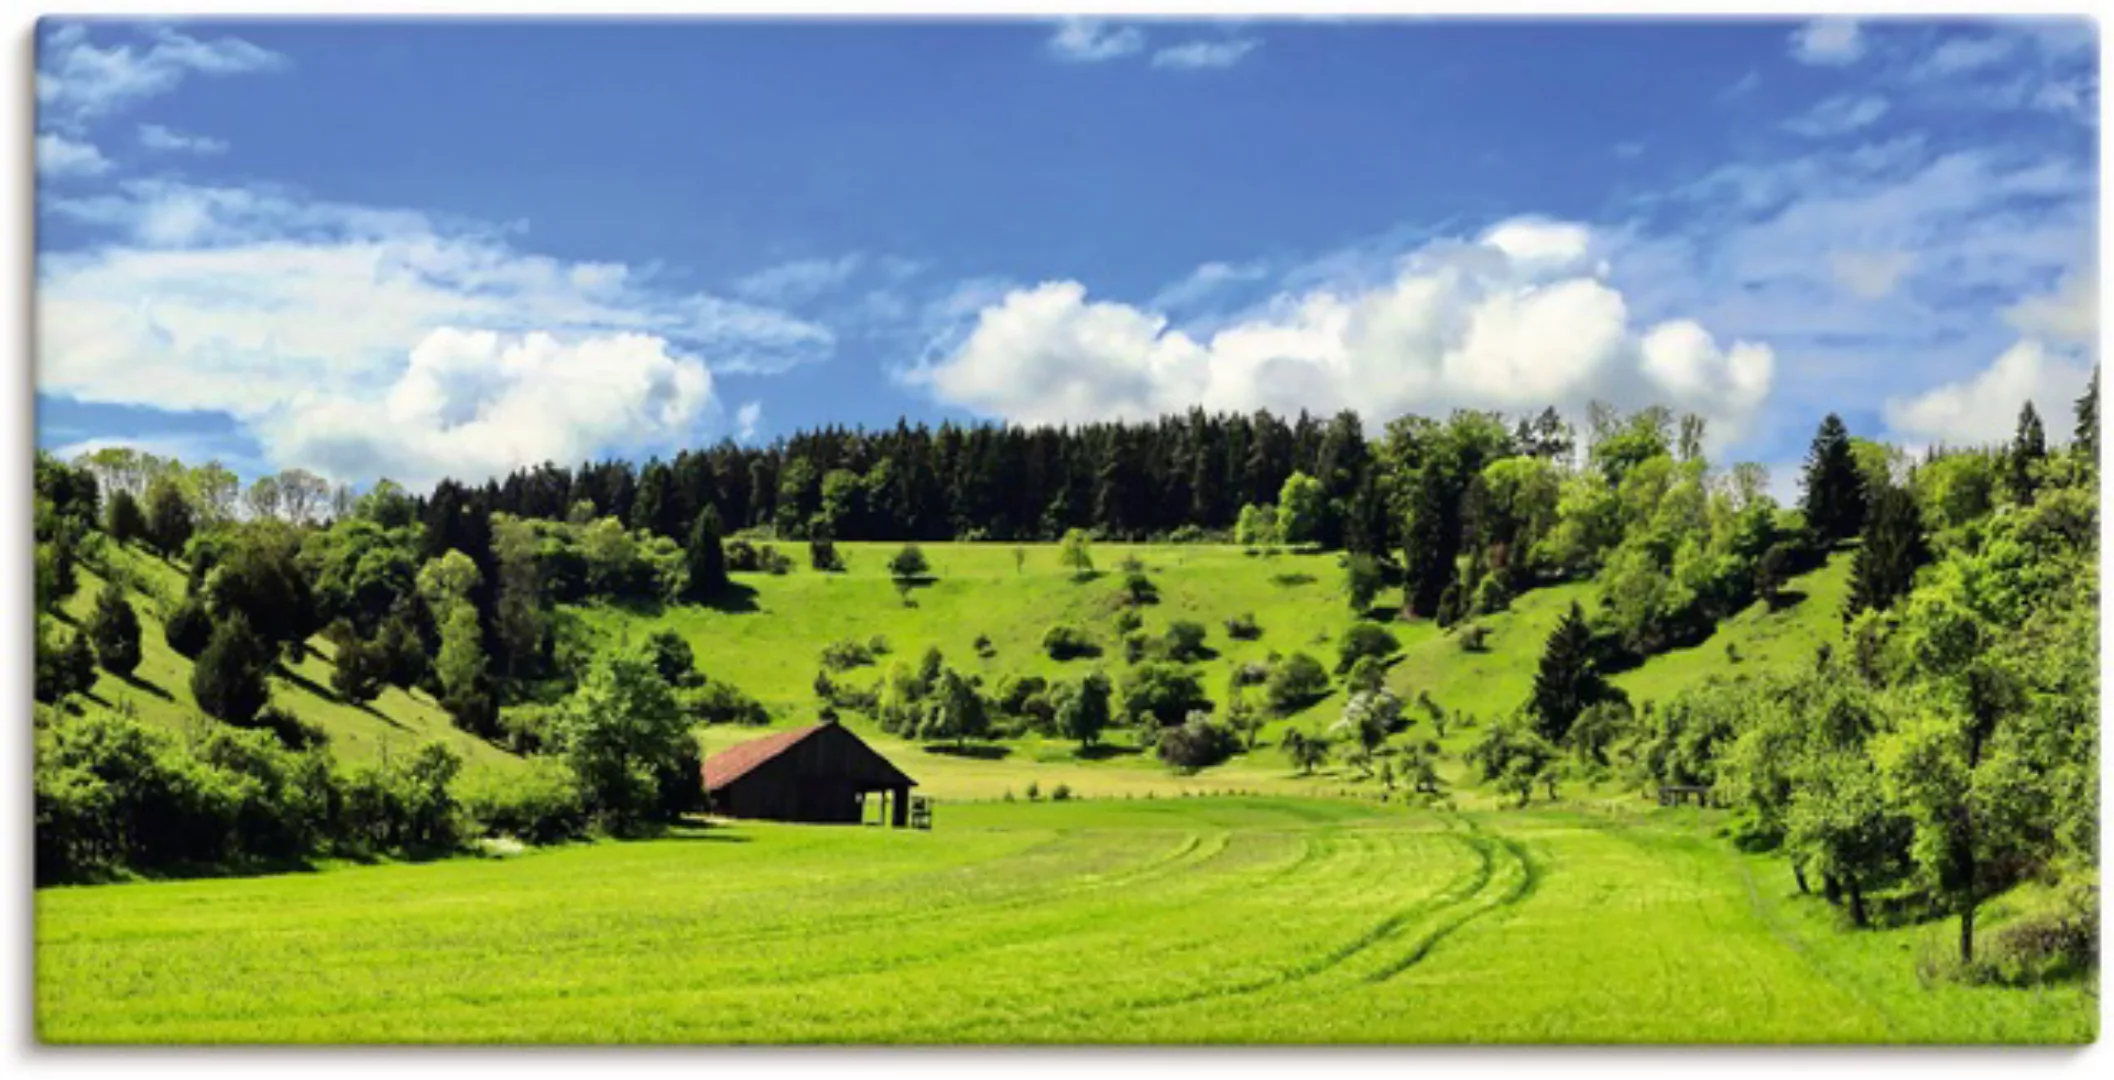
(1838, 115)
(1092, 41)
(79, 80)
(59, 157)
(169, 140)
(799, 281)
(1829, 42)
(1205, 54)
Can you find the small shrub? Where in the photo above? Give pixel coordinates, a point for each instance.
(540, 805)
(909, 564)
(721, 702)
(846, 655)
(1475, 637)
(773, 561)
(1251, 673)
(823, 555)
(1128, 620)
(1364, 639)
(1196, 743)
(1184, 641)
(1065, 642)
(1034, 792)
(1060, 793)
(742, 556)
(878, 644)
(1243, 627)
(984, 648)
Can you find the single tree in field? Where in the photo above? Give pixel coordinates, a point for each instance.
(1306, 751)
(1568, 681)
(114, 628)
(229, 678)
(1834, 489)
(705, 558)
(1300, 505)
(622, 732)
(1884, 569)
(2087, 432)
(909, 564)
(1082, 709)
(188, 628)
(954, 710)
(168, 517)
(2029, 447)
(1074, 554)
(125, 522)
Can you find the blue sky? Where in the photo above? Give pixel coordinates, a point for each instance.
(452, 248)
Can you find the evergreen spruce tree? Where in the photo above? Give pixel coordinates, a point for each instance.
(114, 629)
(2029, 447)
(707, 560)
(1835, 496)
(125, 522)
(188, 629)
(1885, 566)
(168, 519)
(1568, 682)
(229, 678)
(2087, 433)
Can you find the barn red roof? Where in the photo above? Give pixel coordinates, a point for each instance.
(736, 761)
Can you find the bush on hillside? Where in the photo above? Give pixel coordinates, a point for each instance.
(1067, 642)
(539, 805)
(1295, 682)
(1364, 639)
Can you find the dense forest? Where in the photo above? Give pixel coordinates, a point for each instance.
(1947, 748)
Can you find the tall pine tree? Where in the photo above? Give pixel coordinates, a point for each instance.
(707, 560)
(2087, 433)
(1568, 682)
(1835, 496)
(2029, 447)
(1885, 566)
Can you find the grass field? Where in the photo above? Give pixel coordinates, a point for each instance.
(1165, 920)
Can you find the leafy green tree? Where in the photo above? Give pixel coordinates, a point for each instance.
(1301, 506)
(1364, 639)
(1361, 580)
(465, 675)
(1295, 682)
(1368, 673)
(125, 522)
(64, 665)
(909, 564)
(114, 629)
(1256, 527)
(168, 520)
(622, 734)
(1568, 681)
(229, 679)
(1184, 641)
(1161, 693)
(954, 710)
(2029, 448)
(1834, 488)
(672, 658)
(1893, 549)
(1306, 751)
(1369, 718)
(1082, 708)
(447, 582)
(1074, 553)
(261, 575)
(705, 558)
(1840, 824)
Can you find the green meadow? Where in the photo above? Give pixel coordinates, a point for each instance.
(1167, 920)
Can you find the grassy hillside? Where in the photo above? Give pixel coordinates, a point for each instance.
(160, 690)
(1178, 920)
(771, 641)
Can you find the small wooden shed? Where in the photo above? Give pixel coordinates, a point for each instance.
(819, 774)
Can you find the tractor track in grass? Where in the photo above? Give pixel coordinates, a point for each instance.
(1480, 903)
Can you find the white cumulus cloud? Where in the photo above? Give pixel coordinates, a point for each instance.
(1518, 319)
(1984, 409)
(353, 339)
(78, 80)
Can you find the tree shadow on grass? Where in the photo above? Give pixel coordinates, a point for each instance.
(1104, 751)
(978, 751)
(145, 687)
(1786, 599)
(310, 685)
(736, 598)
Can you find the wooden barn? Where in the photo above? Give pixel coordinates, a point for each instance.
(820, 774)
